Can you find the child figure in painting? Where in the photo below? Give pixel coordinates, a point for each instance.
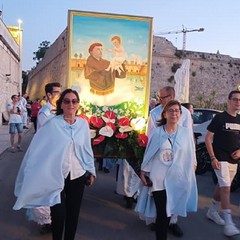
(119, 54)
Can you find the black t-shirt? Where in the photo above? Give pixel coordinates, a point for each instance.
(226, 139)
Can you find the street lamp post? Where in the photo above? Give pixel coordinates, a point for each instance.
(20, 54)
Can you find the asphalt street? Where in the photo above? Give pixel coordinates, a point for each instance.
(103, 213)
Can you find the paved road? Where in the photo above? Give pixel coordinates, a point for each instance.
(103, 215)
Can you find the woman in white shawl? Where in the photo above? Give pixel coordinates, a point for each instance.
(169, 163)
(54, 168)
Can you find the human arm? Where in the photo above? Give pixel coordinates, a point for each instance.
(41, 119)
(236, 154)
(208, 142)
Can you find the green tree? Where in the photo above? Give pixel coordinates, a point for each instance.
(24, 81)
(39, 54)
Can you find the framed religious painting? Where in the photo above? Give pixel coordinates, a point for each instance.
(109, 61)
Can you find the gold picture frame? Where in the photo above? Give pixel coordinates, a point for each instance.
(109, 60)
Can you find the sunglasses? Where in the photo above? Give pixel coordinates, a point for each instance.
(68, 101)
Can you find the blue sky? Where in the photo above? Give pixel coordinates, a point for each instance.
(134, 34)
(46, 19)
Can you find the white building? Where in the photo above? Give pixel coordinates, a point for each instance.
(10, 65)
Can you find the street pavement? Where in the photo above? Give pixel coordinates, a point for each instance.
(103, 213)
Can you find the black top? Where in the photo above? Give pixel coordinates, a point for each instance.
(226, 139)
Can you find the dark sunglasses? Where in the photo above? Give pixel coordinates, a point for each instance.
(68, 101)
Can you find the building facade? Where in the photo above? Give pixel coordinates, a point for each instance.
(10, 68)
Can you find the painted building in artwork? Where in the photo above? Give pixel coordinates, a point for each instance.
(10, 66)
(209, 72)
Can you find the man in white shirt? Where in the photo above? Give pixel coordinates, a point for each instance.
(165, 95)
(23, 103)
(15, 122)
(53, 91)
(41, 215)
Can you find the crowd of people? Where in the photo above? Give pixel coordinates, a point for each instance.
(169, 186)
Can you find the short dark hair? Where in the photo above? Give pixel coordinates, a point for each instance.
(49, 87)
(60, 100)
(92, 46)
(13, 96)
(232, 92)
(187, 105)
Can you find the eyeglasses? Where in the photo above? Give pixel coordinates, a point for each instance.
(68, 101)
(161, 98)
(174, 110)
(235, 99)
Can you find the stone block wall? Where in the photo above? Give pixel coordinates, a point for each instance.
(9, 68)
(208, 72)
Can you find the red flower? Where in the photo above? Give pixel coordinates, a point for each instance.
(111, 125)
(96, 121)
(84, 117)
(110, 115)
(121, 135)
(142, 140)
(98, 140)
(123, 121)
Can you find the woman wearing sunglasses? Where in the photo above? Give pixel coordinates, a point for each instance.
(168, 169)
(53, 171)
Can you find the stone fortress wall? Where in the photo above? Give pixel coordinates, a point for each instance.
(208, 72)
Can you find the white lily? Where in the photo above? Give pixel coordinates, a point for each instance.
(123, 129)
(138, 123)
(106, 120)
(92, 133)
(106, 131)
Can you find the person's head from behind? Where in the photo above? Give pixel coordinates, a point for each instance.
(152, 103)
(116, 41)
(95, 50)
(171, 113)
(68, 103)
(234, 100)
(53, 91)
(189, 106)
(166, 94)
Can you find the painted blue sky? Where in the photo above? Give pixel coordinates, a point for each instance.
(99, 28)
(46, 20)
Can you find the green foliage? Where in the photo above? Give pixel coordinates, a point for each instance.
(171, 79)
(24, 81)
(175, 67)
(180, 54)
(39, 54)
(209, 102)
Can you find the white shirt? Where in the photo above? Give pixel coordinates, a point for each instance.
(72, 165)
(23, 103)
(14, 117)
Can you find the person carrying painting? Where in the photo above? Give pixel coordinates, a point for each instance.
(169, 154)
(56, 168)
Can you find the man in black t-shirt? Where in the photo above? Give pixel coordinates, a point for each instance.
(223, 145)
